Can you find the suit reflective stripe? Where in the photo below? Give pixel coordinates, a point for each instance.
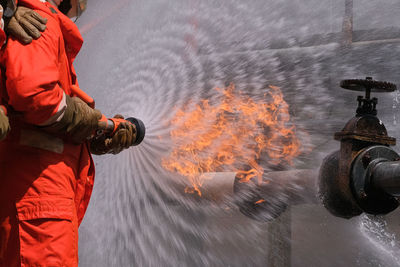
(42, 140)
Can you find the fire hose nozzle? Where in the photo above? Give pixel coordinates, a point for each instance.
(109, 127)
(140, 129)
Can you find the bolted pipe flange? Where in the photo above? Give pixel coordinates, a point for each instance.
(371, 199)
(333, 189)
(249, 194)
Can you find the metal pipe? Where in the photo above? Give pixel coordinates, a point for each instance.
(294, 186)
(300, 186)
(263, 201)
(267, 200)
(386, 176)
(373, 180)
(218, 186)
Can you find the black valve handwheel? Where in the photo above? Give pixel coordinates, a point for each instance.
(368, 85)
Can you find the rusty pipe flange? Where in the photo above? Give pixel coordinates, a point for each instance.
(334, 190)
(368, 83)
(249, 196)
(372, 200)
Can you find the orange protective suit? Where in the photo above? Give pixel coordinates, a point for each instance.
(2, 37)
(45, 182)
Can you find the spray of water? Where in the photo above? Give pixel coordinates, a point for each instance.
(375, 230)
(168, 53)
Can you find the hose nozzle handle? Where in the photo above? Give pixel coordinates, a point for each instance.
(140, 129)
(110, 126)
(3, 109)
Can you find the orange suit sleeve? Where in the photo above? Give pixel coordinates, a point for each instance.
(32, 75)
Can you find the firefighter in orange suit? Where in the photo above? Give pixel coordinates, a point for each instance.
(46, 168)
(16, 20)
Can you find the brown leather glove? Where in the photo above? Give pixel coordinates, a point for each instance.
(25, 25)
(123, 138)
(78, 123)
(4, 125)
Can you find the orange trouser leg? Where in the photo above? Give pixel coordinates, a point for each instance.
(38, 242)
(9, 241)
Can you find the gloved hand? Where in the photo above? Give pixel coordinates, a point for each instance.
(123, 138)
(78, 123)
(25, 25)
(4, 125)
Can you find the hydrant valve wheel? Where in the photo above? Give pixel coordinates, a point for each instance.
(368, 85)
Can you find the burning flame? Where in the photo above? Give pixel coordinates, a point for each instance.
(260, 201)
(230, 135)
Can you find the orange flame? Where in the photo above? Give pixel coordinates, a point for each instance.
(260, 201)
(230, 135)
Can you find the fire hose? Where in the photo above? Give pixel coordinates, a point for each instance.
(108, 126)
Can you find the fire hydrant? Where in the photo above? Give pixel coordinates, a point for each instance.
(364, 175)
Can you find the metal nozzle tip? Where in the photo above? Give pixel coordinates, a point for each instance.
(140, 128)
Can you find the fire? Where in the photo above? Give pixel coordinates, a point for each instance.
(260, 201)
(230, 135)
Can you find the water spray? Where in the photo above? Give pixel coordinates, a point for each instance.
(364, 175)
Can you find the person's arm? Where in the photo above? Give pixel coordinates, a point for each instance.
(33, 88)
(32, 76)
